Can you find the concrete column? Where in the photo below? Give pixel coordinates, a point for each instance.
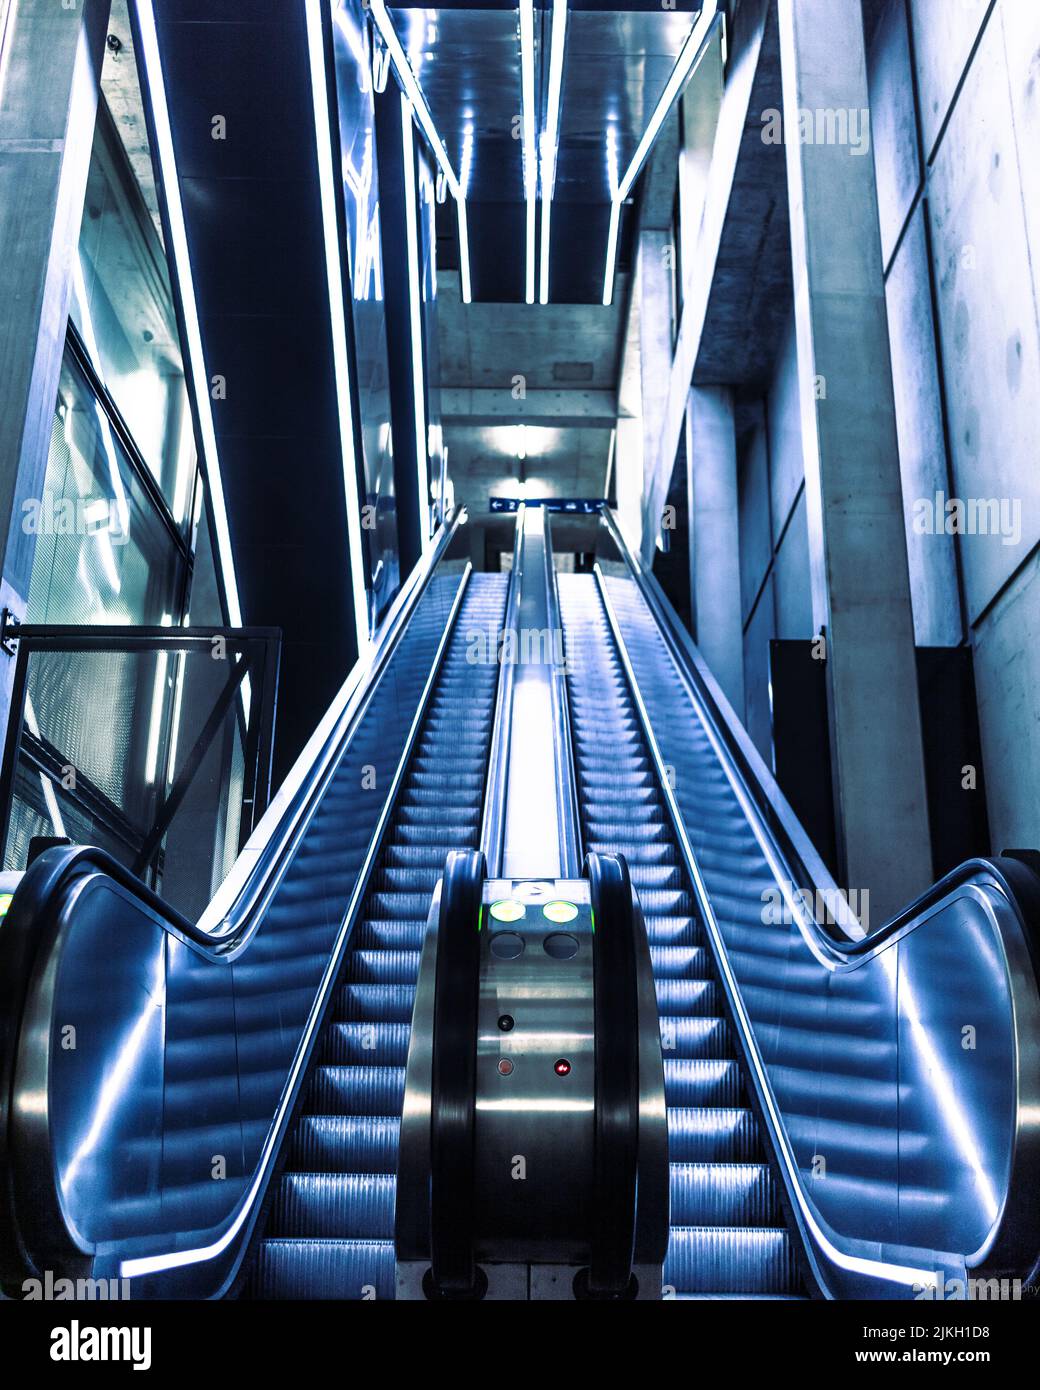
(629, 469)
(861, 586)
(654, 287)
(51, 72)
(711, 444)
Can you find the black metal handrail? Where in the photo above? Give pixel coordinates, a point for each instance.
(616, 1011)
(453, 1271)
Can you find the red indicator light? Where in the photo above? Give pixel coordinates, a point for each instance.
(562, 1067)
(505, 1066)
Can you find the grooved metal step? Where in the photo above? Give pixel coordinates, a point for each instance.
(727, 1237)
(330, 1231)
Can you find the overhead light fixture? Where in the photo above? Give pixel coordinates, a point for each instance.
(182, 271)
(414, 92)
(415, 317)
(693, 50)
(340, 355)
(551, 135)
(530, 152)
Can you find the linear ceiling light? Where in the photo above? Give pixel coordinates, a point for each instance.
(415, 316)
(530, 147)
(192, 332)
(693, 50)
(414, 92)
(340, 355)
(551, 135)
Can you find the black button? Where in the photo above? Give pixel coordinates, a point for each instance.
(561, 945)
(506, 1023)
(507, 945)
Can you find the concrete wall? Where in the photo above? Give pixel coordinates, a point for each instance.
(955, 97)
(776, 591)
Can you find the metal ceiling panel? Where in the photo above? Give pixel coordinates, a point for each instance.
(618, 59)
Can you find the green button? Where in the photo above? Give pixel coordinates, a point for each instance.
(507, 910)
(560, 912)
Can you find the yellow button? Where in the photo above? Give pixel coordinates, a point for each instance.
(560, 912)
(508, 910)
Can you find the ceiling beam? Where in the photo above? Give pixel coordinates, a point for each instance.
(490, 406)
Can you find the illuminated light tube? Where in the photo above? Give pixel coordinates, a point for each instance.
(6, 40)
(530, 153)
(182, 269)
(414, 93)
(415, 316)
(551, 136)
(340, 355)
(693, 50)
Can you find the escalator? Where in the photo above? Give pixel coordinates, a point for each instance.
(727, 1236)
(829, 1132)
(330, 1233)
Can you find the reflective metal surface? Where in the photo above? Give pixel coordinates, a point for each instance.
(617, 61)
(540, 836)
(535, 1100)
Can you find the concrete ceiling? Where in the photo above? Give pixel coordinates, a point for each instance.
(552, 368)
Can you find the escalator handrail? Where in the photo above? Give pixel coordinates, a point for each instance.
(1016, 876)
(453, 1270)
(45, 888)
(776, 819)
(567, 816)
(280, 829)
(492, 823)
(260, 866)
(616, 1008)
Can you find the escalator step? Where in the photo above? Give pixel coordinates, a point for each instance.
(366, 1042)
(355, 1206)
(354, 1090)
(727, 1238)
(735, 1260)
(345, 1144)
(722, 1194)
(331, 1227)
(697, 1082)
(329, 1269)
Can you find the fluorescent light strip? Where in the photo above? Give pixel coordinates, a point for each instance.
(686, 64)
(415, 315)
(414, 93)
(551, 135)
(612, 240)
(182, 270)
(7, 17)
(530, 149)
(340, 356)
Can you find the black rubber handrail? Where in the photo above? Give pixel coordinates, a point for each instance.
(616, 1142)
(453, 1271)
(1016, 871)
